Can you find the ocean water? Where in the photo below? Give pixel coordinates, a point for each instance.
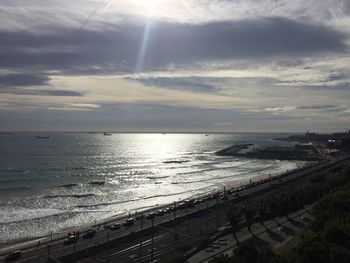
(72, 179)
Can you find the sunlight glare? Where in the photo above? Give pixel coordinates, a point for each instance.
(148, 3)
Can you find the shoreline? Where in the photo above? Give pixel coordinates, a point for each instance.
(28, 243)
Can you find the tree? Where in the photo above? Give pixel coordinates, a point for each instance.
(234, 217)
(249, 215)
(262, 212)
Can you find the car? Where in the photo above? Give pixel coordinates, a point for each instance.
(182, 205)
(211, 197)
(150, 215)
(167, 210)
(13, 256)
(231, 191)
(90, 233)
(69, 240)
(129, 222)
(160, 212)
(115, 226)
(196, 202)
(189, 203)
(236, 195)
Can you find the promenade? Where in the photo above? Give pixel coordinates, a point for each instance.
(269, 231)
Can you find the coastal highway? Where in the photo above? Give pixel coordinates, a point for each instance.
(196, 216)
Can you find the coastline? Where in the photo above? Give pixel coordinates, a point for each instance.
(29, 243)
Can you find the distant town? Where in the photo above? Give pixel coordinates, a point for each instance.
(308, 147)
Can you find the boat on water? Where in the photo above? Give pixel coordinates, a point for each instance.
(42, 137)
(107, 134)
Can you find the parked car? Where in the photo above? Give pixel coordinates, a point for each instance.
(71, 240)
(115, 226)
(150, 215)
(167, 210)
(90, 233)
(189, 203)
(182, 206)
(129, 222)
(160, 212)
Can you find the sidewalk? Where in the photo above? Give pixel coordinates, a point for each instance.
(270, 231)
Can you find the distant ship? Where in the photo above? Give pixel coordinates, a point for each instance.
(107, 134)
(42, 137)
(207, 135)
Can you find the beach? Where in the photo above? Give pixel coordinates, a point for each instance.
(72, 180)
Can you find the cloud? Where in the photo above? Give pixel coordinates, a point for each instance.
(344, 86)
(11, 80)
(41, 92)
(108, 50)
(325, 108)
(39, 13)
(32, 84)
(141, 117)
(207, 64)
(191, 84)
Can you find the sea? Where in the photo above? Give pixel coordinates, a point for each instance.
(75, 179)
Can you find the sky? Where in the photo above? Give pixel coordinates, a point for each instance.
(175, 65)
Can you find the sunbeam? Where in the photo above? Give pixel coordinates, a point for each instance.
(146, 35)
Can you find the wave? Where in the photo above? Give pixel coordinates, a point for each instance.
(107, 203)
(70, 196)
(215, 169)
(97, 182)
(228, 176)
(28, 215)
(157, 177)
(68, 185)
(176, 161)
(137, 199)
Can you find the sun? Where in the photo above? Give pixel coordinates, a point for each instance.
(148, 3)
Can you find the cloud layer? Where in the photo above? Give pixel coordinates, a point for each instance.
(221, 61)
